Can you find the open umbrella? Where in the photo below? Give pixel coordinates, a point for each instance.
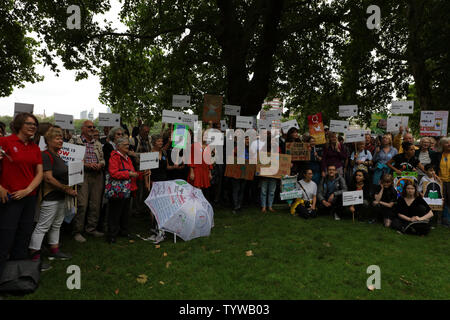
(181, 208)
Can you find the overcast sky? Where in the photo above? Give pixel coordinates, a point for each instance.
(62, 94)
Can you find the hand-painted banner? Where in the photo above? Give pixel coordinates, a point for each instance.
(378, 123)
(283, 164)
(433, 123)
(316, 128)
(433, 195)
(240, 171)
(212, 108)
(299, 151)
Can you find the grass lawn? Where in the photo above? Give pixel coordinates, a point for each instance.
(292, 259)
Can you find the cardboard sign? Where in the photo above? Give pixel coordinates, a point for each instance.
(285, 126)
(180, 136)
(65, 121)
(402, 107)
(433, 195)
(180, 101)
(244, 122)
(355, 136)
(289, 195)
(232, 110)
(212, 108)
(264, 124)
(283, 164)
(223, 125)
(352, 198)
(149, 160)
(348, 111)
(109, 120)
(339, 126)
(22, 107)
(298, 151)
(240, 171)
(316, 128)
(76, 172)
(288, 183)
(378, 123)
(273, 115)
(72, 152)
(433, 123)
(173, 117)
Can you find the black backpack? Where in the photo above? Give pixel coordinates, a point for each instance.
(20, 277)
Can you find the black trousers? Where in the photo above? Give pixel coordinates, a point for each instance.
(16, 227)
(118, 217)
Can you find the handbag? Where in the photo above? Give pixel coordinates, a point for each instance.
(115, 188)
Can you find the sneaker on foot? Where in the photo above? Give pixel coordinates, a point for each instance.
(336, 217)
(95, 233)
(79, 238)
(45, 267)
(59, 256)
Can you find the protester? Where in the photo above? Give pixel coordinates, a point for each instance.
(441, 162)
(370, 144)
(2, 129)
(424, 154)
(361, 158)
(41, 130)
(160, 173)
(66, 135)
(382, 155)
(298, 167)
(407, 137)
(360, 181)
(91, 190)
(412, 208)
(238, 185)
(268, 185)
(96, 135)
(113, 135)
(307, 208)
(21, 173)
(120, 168)
(385, 197)
(200, 173)
(54, 191)
(406, 161)
(105, 139)
(315, 159)
(330, 192)
(334, 154)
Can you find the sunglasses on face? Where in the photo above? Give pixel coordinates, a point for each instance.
(90, 127)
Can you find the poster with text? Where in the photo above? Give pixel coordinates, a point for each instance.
(316, 128)
(433, 123)
(212, 108)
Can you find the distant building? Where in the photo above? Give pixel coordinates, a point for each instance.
(83, 114)
(275, 104)
(91, 115)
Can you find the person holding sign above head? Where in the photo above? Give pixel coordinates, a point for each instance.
(90, 191)
(54, 190)
(385, 197)
(21, 174)
(330, 192)
(406, 161)
(413, 213)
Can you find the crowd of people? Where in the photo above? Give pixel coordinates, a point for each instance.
(35, 196)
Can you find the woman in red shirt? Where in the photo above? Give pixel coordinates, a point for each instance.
(21, 173)
(200, 173)
(120, 168)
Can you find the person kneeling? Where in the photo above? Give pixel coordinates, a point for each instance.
(330, 192)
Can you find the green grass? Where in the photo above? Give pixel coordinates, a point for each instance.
(292, 259)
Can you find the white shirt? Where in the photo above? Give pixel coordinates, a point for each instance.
(424, 179)
(310, 188)
(364, 155)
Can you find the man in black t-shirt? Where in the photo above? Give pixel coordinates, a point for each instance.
(406, 161)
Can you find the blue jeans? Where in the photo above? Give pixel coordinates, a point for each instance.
(268, 186)
(238, 192)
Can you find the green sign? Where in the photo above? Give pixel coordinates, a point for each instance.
(378, 123)
(180, 136)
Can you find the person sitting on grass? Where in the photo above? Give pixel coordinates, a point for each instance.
(330, 192)
(406, 161)
(360, 181)
(385, 197)
(306, 207)
(412, 208)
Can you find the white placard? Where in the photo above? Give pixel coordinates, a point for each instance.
(232, 110)
(170, 116)
(223, 125)
(149, 160)
(109, 120)
(434, 202)
(402, 107)
(348, 111)
(244, 122)
(264, 124)
(180, 101)
(65, 121)
(215, 136)
(76, 173)
(285, 126)
(355, 136)
(42, 144)
(72, 152)
(352, 198)
(339, 126)
(273, 115)
(22, 107)
(288, 195)
(394, 123)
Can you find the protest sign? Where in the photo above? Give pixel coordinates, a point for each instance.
(433, 195)
(148, 160)
(109, 120)
(394, 123)
(433, 123)
(240, 171)
(42, 144)
(378, 123)
(264, 124)
(223, 125)
(65, 121)
(400, 180)
(244, 122)
(316, 128)
(402, 107)
(212, 108)
(288, 183)
(348, 111)
(180, 101)
(299, 151)
(180, 136)
(352, 198)
(289, 195)
(76, 172)
(283, 164)
(22, 107)
(339, 126)
(273, 115)
(355, 136)
(285, 126)
(170, 116)
(232, 110)
(72, 152)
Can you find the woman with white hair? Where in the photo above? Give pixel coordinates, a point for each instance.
(114, 134)
(424, 154)
(441, 163)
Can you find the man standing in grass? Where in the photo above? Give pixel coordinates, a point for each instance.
(331, 188)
